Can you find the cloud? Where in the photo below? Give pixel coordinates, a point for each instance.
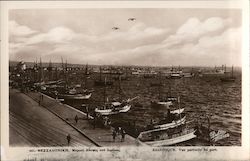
(224, 48)
(16, 29)
(193, 29)
(196, 27)
(195, 42)
(55, 35)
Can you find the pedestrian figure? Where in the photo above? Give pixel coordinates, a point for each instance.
(123, 135)
(39, 102)
(87, 111)
(42, 97)
(116, 129)
(68, 138)
(119, 130)
(105, 121)
(76, 119)
(56, 93)
(94, 119)
(114, 135)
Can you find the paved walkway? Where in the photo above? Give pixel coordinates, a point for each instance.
(34, 126)
(98, 136)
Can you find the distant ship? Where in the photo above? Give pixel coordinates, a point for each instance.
(230, 78)
(215, 72)
(175, 73)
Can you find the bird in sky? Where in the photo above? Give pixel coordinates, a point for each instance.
(115, 28)
(131, 19)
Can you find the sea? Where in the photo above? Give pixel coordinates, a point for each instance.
(202, 97)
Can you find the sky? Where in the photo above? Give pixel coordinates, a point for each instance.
(158, 37)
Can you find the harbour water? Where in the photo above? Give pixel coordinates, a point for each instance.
(200, 96)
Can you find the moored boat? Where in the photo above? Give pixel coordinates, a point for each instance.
(173, 123)
(167, 137)
(230, 78)
(113, 108)
(79, 96)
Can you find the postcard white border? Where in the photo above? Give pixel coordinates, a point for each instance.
(223, 153)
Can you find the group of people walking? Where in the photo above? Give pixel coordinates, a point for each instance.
(119, 131)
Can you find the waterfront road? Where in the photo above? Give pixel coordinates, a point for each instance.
(98, 135)
(32, 125)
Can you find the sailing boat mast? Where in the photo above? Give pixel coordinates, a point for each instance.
(159, 87)
(50, 71)
(86, 76)
(232, 71)
(63, 67)
(41, 70)
(100, 74)
(179, 105)
(104, 92)
(170, 93)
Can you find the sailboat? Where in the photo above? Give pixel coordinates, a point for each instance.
(101, 82)
(230, 78)
(71, 93)
(174, 118)
(111, 108)
(162, 101)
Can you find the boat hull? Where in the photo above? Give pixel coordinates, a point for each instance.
(172, 124)
(178, 111)
(182, 138)
(75, 96)
(227, 79)
(103, 83)
(158, 104)
(124, 109)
